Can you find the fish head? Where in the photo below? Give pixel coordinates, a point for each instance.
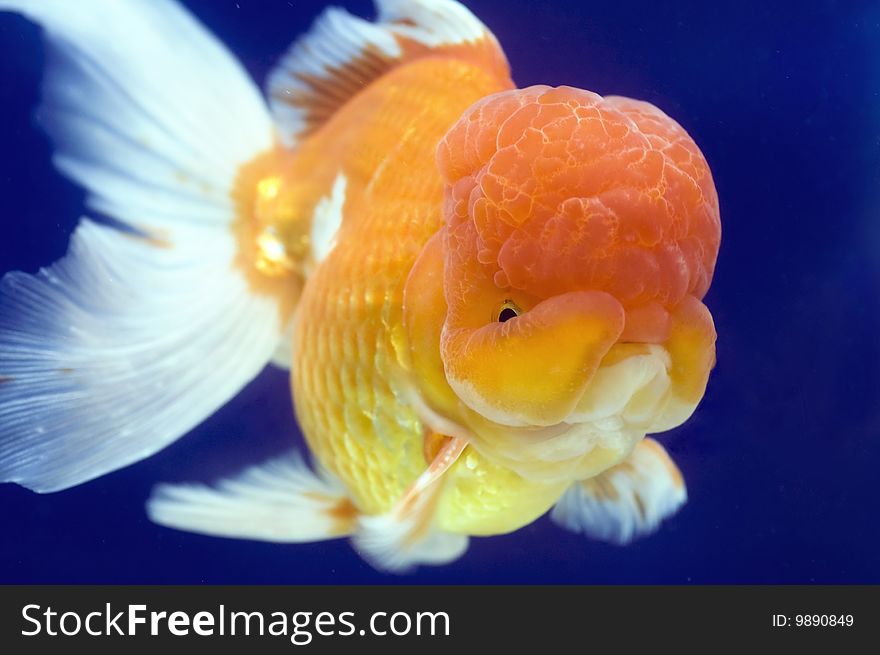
(558, 313)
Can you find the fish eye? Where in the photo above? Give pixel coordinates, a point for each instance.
(508, 311)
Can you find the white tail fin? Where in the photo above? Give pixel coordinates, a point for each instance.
(139, 333)
(281, 501)
(626, 501)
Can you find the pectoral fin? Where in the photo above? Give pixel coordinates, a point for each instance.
(406, 536)
(626, 501)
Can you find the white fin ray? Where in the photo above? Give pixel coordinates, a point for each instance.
(398, 545)
(105, 358)
(336, 37)
(281, 500)
(627, 501)
(132, 339)
(405, 537)
(342, 54)
(147, 109)
(431, 22)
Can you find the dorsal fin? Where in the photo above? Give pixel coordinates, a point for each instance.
(342, 54)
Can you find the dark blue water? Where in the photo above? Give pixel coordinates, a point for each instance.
(781, 458)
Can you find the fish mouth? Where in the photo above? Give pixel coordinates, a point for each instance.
(629, 396)
(629, 388)
(639, 387)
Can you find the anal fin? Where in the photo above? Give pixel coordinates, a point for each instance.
(628, 500)
(282, 500)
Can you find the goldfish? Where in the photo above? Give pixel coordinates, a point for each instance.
(487, 296)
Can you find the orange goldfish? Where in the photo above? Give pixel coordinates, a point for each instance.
(487, 296)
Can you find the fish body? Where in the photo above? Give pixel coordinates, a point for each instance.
(487, 296)
(350, 381)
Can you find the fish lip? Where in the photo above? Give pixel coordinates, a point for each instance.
(561, 447)
(544, 432)
(522, 448)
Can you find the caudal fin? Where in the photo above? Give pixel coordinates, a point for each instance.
(147, 325)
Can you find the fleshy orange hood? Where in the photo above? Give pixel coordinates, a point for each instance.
(566, 190)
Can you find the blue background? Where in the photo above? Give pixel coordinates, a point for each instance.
(781, 457)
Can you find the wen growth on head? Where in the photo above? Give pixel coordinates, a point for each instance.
(487, 296)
